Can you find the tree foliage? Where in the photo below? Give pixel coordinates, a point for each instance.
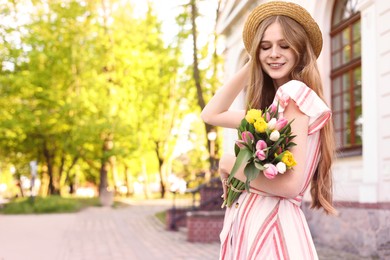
(94, 94)
(205, 68)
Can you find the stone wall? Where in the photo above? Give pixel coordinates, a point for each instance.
(362, 229)
(204, 226)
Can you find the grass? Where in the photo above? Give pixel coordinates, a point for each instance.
(162, 216)
(51, 204)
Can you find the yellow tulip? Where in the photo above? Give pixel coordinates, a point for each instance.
(253, 115)
(288, 159)
(260, 125)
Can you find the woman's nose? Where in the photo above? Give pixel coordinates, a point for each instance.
(275, 52)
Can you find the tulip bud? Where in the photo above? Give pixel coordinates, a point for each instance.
(261, 145)
(240, 144)
(272, 124)
(267, 116)
(282, 122)
(260, 154)
(272, 108)
(247, 137)
(275, 135)
(271, 171)
(281, 166)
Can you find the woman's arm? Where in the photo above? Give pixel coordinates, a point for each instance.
(217, 110)
(289, 184)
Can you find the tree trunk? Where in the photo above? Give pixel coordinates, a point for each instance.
(196, 75)
(162, 182)
(128, 181)
(19, 184)
(103, 185)
(68, 179)
(105, 164)
(49, 157)
(161, 161)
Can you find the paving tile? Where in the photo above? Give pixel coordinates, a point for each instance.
(99, 233)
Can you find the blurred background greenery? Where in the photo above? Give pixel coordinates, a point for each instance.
(94, 97)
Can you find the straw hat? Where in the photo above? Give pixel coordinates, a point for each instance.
(294, 11)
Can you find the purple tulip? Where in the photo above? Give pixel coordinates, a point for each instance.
(282, 122)
(271, 171)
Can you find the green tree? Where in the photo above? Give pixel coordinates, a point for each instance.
(205, 80)
(57, 96)
(88, 91)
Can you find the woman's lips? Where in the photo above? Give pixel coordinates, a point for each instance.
(276, 65)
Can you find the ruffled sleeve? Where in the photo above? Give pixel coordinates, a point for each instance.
(307, 101)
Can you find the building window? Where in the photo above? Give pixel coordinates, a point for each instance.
(346, 75)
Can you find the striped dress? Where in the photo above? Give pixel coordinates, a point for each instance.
(263, 226)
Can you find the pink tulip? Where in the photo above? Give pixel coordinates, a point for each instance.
(272, 108)
(271, 171)
(261, 145)
(282, 122)
(260, 154)
(240, 144)
(267, 116)
(247, 137)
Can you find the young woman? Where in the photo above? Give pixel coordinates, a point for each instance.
(283, 42)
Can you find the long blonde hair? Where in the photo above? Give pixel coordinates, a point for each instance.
(261, 92)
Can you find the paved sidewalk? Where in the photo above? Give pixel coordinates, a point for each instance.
(129, 233)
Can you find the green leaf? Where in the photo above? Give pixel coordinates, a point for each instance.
(291, 137)
(251, 173)
(251, 128)
(279, 157)
(236, 150)
(243, 125)
(275, 146)
(259, 166)
(243, 156)
(290, 144)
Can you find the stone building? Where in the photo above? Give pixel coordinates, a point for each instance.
(355, 68)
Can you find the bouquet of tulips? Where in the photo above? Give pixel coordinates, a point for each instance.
(263, 146)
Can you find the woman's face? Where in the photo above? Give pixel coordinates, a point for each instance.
(276, 57)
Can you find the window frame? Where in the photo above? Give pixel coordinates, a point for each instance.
(347, 68)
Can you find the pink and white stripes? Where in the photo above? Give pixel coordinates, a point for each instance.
(262, 226)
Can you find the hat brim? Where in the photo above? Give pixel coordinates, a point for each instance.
(294, 11)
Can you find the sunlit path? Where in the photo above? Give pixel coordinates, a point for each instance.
(98, 233)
